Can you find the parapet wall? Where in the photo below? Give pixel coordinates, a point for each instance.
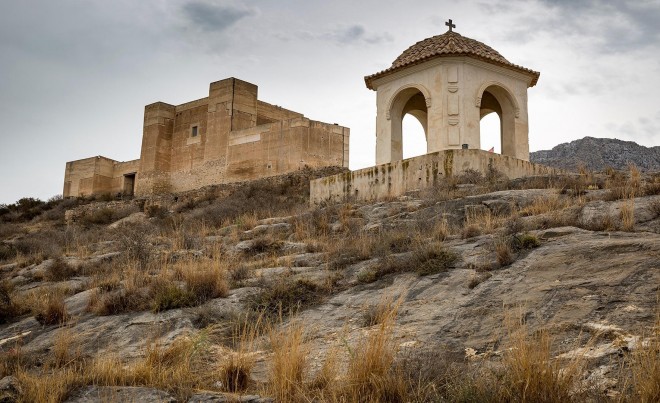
(400, 177)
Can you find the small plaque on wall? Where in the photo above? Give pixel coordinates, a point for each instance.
(454, 135)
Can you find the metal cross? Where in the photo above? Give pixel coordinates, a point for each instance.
(450, 25)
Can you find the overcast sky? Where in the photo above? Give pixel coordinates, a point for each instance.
(75, 74)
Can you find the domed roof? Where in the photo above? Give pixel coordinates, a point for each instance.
(449, 44)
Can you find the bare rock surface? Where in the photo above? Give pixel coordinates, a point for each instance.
(574, 278)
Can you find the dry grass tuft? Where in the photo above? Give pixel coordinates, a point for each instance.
(284, 296)
(59, 270)
(532, 375)
(51, 310)
(628, 215)
(368, 376)
(503, 251)
(237, 366)
(288, 363)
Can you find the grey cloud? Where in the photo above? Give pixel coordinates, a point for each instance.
(645, 129)
(345, 35)
(620, 26)
(214, 17)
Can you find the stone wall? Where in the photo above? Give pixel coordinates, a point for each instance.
(400, 177)
(229, 136)
(96, 175)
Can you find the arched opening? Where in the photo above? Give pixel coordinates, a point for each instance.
(490, 127)
(497, 121)
(415, 137)
(409, 103)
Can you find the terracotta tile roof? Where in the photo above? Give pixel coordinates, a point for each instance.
(449, 44)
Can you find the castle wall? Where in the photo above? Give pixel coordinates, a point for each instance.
(400, 177)
(96, 175)
(228, 136)
(268, 113)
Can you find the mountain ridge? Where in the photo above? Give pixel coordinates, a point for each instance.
(599, 154)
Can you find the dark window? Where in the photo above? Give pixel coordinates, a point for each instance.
(194, 131)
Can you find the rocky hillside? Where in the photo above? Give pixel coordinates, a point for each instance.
(598, 154)
(544, 289)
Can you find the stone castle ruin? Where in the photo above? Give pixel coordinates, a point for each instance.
(448, 82)
(229, 136)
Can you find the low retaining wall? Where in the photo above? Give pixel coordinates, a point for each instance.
(400, 177)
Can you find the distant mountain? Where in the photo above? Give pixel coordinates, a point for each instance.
(598, 154)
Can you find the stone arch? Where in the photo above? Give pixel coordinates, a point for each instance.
(425, 92)
(506, 91)
(494, 97)
(414, 100)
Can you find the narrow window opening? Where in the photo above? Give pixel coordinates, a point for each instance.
(193, 131)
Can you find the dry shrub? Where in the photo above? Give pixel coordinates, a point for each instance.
(433, 259)
(134, 240)
(167, 295)
(525, 241)
(284, 296)
(8, 308)
(471, 176)
(350, 250)
(188, 283)
(378, 313)
(52, 310)
(441, 230)
(642, 377)
(482, 218)
(238, 273)
(288, 363)
(396, 241)
(652, 187)
(628, 215)
(206, 282)
(60, 270)
(369, 376)
(178, 368)
(503, 251)
(62, 353)
(531, 374)
(470, 231)
(655, 207)
(477, 279)
(263, 244)
(119, 301)
(237, 366)
(34, 248)
(542, 205)
(425, 259)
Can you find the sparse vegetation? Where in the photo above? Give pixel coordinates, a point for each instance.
(186, 254)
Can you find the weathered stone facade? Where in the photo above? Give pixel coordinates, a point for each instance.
(229, 136)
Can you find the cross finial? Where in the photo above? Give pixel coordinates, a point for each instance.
(450, 25)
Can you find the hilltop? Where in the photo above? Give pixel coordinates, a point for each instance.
(480, 289)
(599, 154)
